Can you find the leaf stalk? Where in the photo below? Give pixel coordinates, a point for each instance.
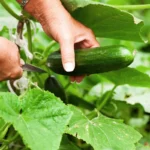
(9, 10)
(107, 97)
(28, 24)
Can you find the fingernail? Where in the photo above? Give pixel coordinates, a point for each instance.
(69, 67)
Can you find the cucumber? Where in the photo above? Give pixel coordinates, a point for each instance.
(93, 60)
(53, 86)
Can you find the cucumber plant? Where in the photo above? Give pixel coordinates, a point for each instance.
(48, 112)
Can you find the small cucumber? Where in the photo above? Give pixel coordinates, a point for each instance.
(53, 86)
(93, 60)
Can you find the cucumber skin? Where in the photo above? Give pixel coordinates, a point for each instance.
(93, 60)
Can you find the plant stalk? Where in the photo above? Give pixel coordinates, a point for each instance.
(28, 24)
(20, 26)
(9, 10)
(106, 99)
(94, 113)
(52, 43)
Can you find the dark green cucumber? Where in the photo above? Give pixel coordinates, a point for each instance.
(53, 86)
(93, 60)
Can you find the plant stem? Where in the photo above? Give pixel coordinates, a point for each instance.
(132, 7)
(20, 29)
(6, 126)
(8, 141)
(4, 131)
(46, 52)
(9, 10)
(4, 147)
(39, 79)
(106, 99)
(29, 35)
(92, 115)
(14, 137)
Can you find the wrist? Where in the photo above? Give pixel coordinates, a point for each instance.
(38, 8)
(30, 6)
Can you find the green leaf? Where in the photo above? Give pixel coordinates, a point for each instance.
(102, 132)
(2, 123)
(128, 76)
(38, 116)
(144, 142)
(72, 5)
(133, 95)
(106, 21)
(141, 99)
(143, 146)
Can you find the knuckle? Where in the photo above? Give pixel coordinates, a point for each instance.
(67, 38)
(90, 31)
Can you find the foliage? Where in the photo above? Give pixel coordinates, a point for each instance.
(107, 131)
(108, 111)
(29, 115)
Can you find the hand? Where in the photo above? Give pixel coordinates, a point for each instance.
(70, 34)
(59, 24)
(10, 67)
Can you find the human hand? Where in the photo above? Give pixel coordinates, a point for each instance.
(59, 24)
(71, 35)
(10, 67)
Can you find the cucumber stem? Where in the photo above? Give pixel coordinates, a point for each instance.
(9, 10)
(47, 50)
(132, 7)
(28, 24)
(3, 147)
(94, 113)
(20, 26)
(7, 141)
(106, 98)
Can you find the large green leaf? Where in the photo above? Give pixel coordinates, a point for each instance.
(133, 95)
(106, 21)
(128, 76)
(141, 99)
(102, 132)
(38, 116)
(72, 5)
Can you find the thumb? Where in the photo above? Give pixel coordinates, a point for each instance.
(67, 54)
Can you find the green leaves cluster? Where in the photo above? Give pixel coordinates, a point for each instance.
(43, 122)
(102, 132)
(106, 21)
(41, 119)
(38, 116)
